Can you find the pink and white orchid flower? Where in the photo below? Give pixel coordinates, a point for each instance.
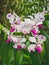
(31, 47)
(30, 29)
(19, 42)
(41, 39)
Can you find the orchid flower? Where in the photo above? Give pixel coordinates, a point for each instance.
(13, 18)
(32, 39)
(24, 27)
(39, 18)
(41, 39)
(31, 47)
(19, 42)
(30, 26)
(19, 46)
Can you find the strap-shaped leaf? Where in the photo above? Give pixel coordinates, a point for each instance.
(35, 57)
(18, 57)
(46, 45)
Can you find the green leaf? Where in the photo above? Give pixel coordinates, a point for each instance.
(27, 43)
(3, 49)
(15, 33)
(6, 51)
(18, 57)
(46, 45)
(35, 57)
(47, 16)
(1, 26)
(47, 22)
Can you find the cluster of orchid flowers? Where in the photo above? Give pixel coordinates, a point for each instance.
(30, 30)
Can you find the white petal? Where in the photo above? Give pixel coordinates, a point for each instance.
(8, 15)
(15, 46)
(41, 39)
(29, 21)
(39, 23)
(23, 45)
(23, 40)
(11, 20)
(6, 31)
(15, 39)
(32, 39)
(31, 47)
(38, 17)
(44, 12)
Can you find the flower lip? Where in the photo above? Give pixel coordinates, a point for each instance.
(8, 41)
(31, 47)
(12, 29)
(34, 32)
(31, 50)
(40, 25)
(19, 47)
(39, 48)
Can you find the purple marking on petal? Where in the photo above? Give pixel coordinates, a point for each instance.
(9, 15)
(18, 47)
(41, 18)
(31, 50)
(34, 32)
(18, 21)
(40, 25)
(38, 49)
(42, 37)
(12, 29)
(8, 41)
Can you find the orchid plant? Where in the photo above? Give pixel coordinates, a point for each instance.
(30, 29)
(24, 32)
